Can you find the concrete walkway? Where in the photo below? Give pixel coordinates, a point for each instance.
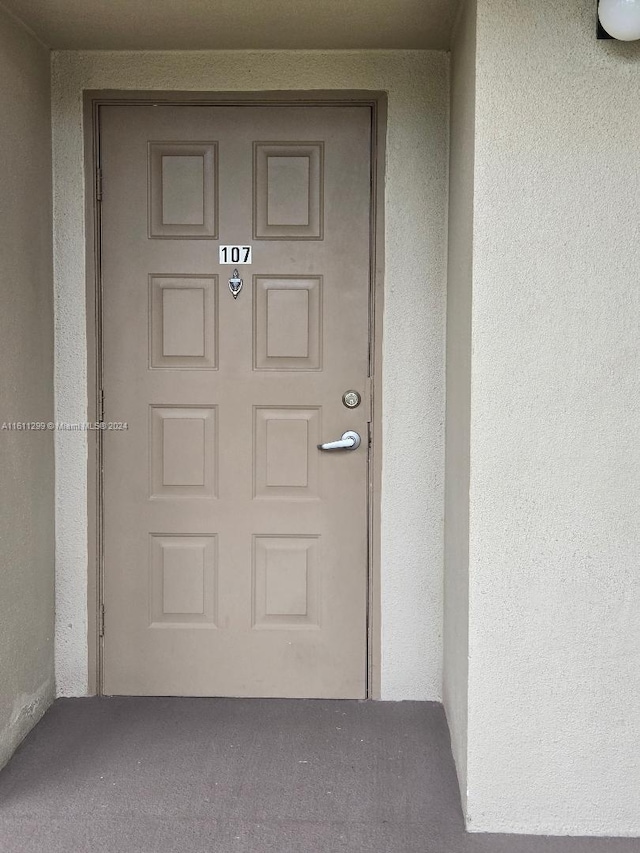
(128, 775)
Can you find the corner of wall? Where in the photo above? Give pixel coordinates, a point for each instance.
(26, 332)
(27, 710)
(458, 387)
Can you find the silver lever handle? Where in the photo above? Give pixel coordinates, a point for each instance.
(350, 441)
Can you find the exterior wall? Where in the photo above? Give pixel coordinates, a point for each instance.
(26, 382)
(413, 338)
(554, 678)
(459, 300)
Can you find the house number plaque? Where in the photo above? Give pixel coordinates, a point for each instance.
(234, 254)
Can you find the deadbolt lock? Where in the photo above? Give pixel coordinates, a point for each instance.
(351, 399)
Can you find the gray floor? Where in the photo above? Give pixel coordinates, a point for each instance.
(244, 776)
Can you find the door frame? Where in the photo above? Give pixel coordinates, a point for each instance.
(93, 101)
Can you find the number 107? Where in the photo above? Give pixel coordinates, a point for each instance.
(235, 254)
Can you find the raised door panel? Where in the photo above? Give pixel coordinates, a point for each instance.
(285, 452)
(183, 580)
(183, 190)
(286, 591)
(288, 191)
(184, 451)
(287, 323)
(183, 322)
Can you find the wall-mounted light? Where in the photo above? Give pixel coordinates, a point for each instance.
(619, 19)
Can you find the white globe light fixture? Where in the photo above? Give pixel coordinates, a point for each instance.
(620, 18)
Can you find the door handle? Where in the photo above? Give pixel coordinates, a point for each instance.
(350, 441)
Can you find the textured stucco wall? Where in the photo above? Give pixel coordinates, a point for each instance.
(413, 372)
(26, 386)
(554, 677)
(458, 385)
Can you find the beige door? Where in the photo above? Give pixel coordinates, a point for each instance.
(235, 550)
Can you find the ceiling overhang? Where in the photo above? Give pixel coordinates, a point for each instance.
(238, 24)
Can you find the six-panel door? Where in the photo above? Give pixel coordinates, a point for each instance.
(235, 551)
